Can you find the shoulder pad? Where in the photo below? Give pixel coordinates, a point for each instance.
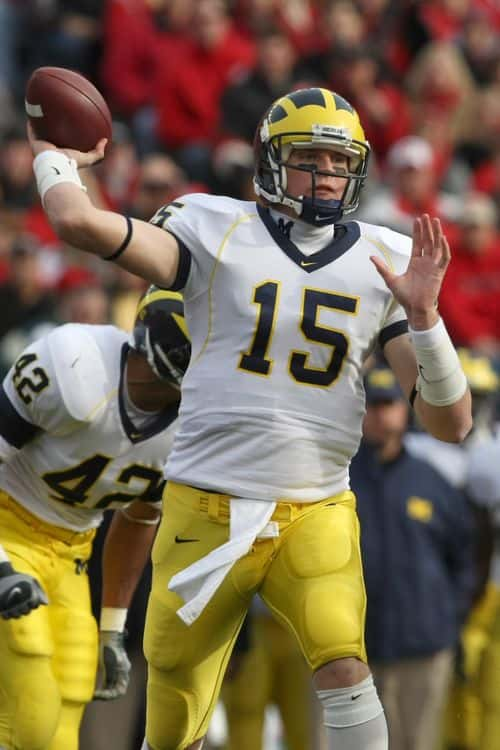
(80, 370)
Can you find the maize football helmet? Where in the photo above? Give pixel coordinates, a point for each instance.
(310, 118)
(484, 384)
(161, 334)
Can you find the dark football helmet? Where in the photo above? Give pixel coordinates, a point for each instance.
(310, 118)
(160, 333)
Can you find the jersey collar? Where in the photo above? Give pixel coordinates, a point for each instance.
(345, 236)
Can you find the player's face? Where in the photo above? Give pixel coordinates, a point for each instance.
(385, 421)
(328, 186)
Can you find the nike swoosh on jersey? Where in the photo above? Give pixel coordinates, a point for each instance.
(178, 540)
(305, 263)
(355, 697)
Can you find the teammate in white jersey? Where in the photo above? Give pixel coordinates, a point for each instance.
(87, 416)
(283, 303)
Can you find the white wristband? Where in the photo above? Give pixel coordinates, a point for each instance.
(441, 380)
(113, 618)
(3, 555)
(52, 168)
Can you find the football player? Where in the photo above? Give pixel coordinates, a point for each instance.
(284, 303)
(86, 419)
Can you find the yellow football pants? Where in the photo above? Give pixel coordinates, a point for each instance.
(48, 659)
(310, 576)
(272, 671)
(489, 687)
(464, 710)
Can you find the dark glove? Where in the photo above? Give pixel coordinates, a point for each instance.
(114, 666)
(19, 593)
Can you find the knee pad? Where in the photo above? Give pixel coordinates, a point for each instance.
(75, 653)
(35, 709)
(347, 707)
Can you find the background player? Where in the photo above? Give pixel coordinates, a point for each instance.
(86, 420)
(284, 304)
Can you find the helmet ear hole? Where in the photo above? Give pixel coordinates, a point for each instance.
(161, 334)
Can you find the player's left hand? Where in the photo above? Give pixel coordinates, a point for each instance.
(417, 290)
(114, 666)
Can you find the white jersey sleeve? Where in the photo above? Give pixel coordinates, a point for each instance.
(32, 389)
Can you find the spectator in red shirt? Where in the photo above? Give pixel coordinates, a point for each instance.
(188, 99)
(470, 297)
(137, 34)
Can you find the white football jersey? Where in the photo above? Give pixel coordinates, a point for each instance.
(483, 487)
(69, 448)
(273, 399)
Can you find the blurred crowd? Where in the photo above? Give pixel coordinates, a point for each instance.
(187, 82)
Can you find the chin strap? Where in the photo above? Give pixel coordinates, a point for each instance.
(321, 213)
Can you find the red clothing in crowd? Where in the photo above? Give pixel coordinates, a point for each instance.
(470, 297)
(129, 55)
(382, 131)
(188, 98)
(132, 47)
(486, 178)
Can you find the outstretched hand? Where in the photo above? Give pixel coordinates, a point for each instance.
(83, 159)
(417, 290)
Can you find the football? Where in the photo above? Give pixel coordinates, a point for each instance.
(66, 109)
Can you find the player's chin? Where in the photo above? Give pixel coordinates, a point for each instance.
(327, 195)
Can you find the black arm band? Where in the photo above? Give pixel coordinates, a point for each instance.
(125, 242)
(413, 395)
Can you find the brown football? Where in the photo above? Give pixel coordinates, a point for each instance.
(66, 109)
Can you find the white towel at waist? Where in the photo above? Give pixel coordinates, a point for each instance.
(197, 583)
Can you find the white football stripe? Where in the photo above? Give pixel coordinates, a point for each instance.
(33, 110)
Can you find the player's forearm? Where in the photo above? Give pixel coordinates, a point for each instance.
(77, 222)
(448, 423)
(137, 246)
(126, 552)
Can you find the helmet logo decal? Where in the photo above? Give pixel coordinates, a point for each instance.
(304, 97)
(277, 113)
(342, 103)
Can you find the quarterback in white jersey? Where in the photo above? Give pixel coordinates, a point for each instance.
(86, 422)
(283, 303)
